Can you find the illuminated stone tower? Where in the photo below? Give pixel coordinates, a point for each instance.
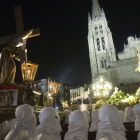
(101, 46)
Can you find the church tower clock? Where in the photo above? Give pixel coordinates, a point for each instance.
(101, 47)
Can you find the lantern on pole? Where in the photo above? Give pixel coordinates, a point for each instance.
(29, 71)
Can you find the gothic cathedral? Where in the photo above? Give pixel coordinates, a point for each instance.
(102, 52)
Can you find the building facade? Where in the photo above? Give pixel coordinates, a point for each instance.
(78, 93)
(119, 68)
(48, 85)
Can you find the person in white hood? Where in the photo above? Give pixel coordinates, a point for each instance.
(88, 115)
(25, 124)
(121, 113)
(59, 121)
(110, 126)
(137, 121)
(66, 114)
(78, 126)
(3, 130)
(95, 120)
(48, 129)
(129, 115)
(5, 127)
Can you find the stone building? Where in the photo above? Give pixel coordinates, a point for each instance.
(78, 93)
(44, 86)
(119, 68)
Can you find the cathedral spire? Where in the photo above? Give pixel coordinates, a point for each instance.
(96, 10)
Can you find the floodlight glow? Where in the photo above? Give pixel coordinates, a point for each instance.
(57, 107)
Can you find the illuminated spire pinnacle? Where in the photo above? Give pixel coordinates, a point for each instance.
(96, 10)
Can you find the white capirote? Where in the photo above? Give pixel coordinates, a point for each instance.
(25, 124)
(137, 121)
(78, 126)
(66, 114)
(122, 114)
(3, 130)
(129, 115)
(88, 115)
(95, 120)
(49, 125)
(60, 128)
(110, 126)
(137, 114)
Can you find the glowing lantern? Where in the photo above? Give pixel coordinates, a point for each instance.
(28, 71)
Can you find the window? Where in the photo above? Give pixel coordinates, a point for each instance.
(103, 43)
(103, 63)
(98, 44)
(96, 30)
(101, 29)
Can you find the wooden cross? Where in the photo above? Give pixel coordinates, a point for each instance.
(20, 31)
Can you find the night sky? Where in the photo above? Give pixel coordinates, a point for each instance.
(62, 48)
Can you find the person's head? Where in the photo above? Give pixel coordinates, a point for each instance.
(108, 114)
(78, 126)
(78, 119)
(95, 116)
(48, 118)
(129, 111)
(137, 109)
(24, 112)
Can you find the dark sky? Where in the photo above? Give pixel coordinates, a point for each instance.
(62, 48)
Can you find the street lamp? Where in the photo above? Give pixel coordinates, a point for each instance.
(101, 88)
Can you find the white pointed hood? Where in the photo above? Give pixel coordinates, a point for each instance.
(95, 120)
(78, 126)
(129, 115)
(110, 124)
(66, 113)
(49, 124)
(26, 118)
(137, 113)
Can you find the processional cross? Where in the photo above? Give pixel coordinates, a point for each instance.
(20, 31)
(7, 65)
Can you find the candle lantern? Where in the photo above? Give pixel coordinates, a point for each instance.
(28, 71)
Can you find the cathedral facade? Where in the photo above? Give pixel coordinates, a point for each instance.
(119, 68)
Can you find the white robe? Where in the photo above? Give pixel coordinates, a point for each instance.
(78, 126)
(95, 120)
(129, 115)
(49, 125)
(66, 114)
(137, 121)
(25, 124)
(88, 115)
(60, 128)
(110, 126)
(3, 130)
(121, 113)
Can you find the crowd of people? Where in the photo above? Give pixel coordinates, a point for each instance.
(107, 121)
